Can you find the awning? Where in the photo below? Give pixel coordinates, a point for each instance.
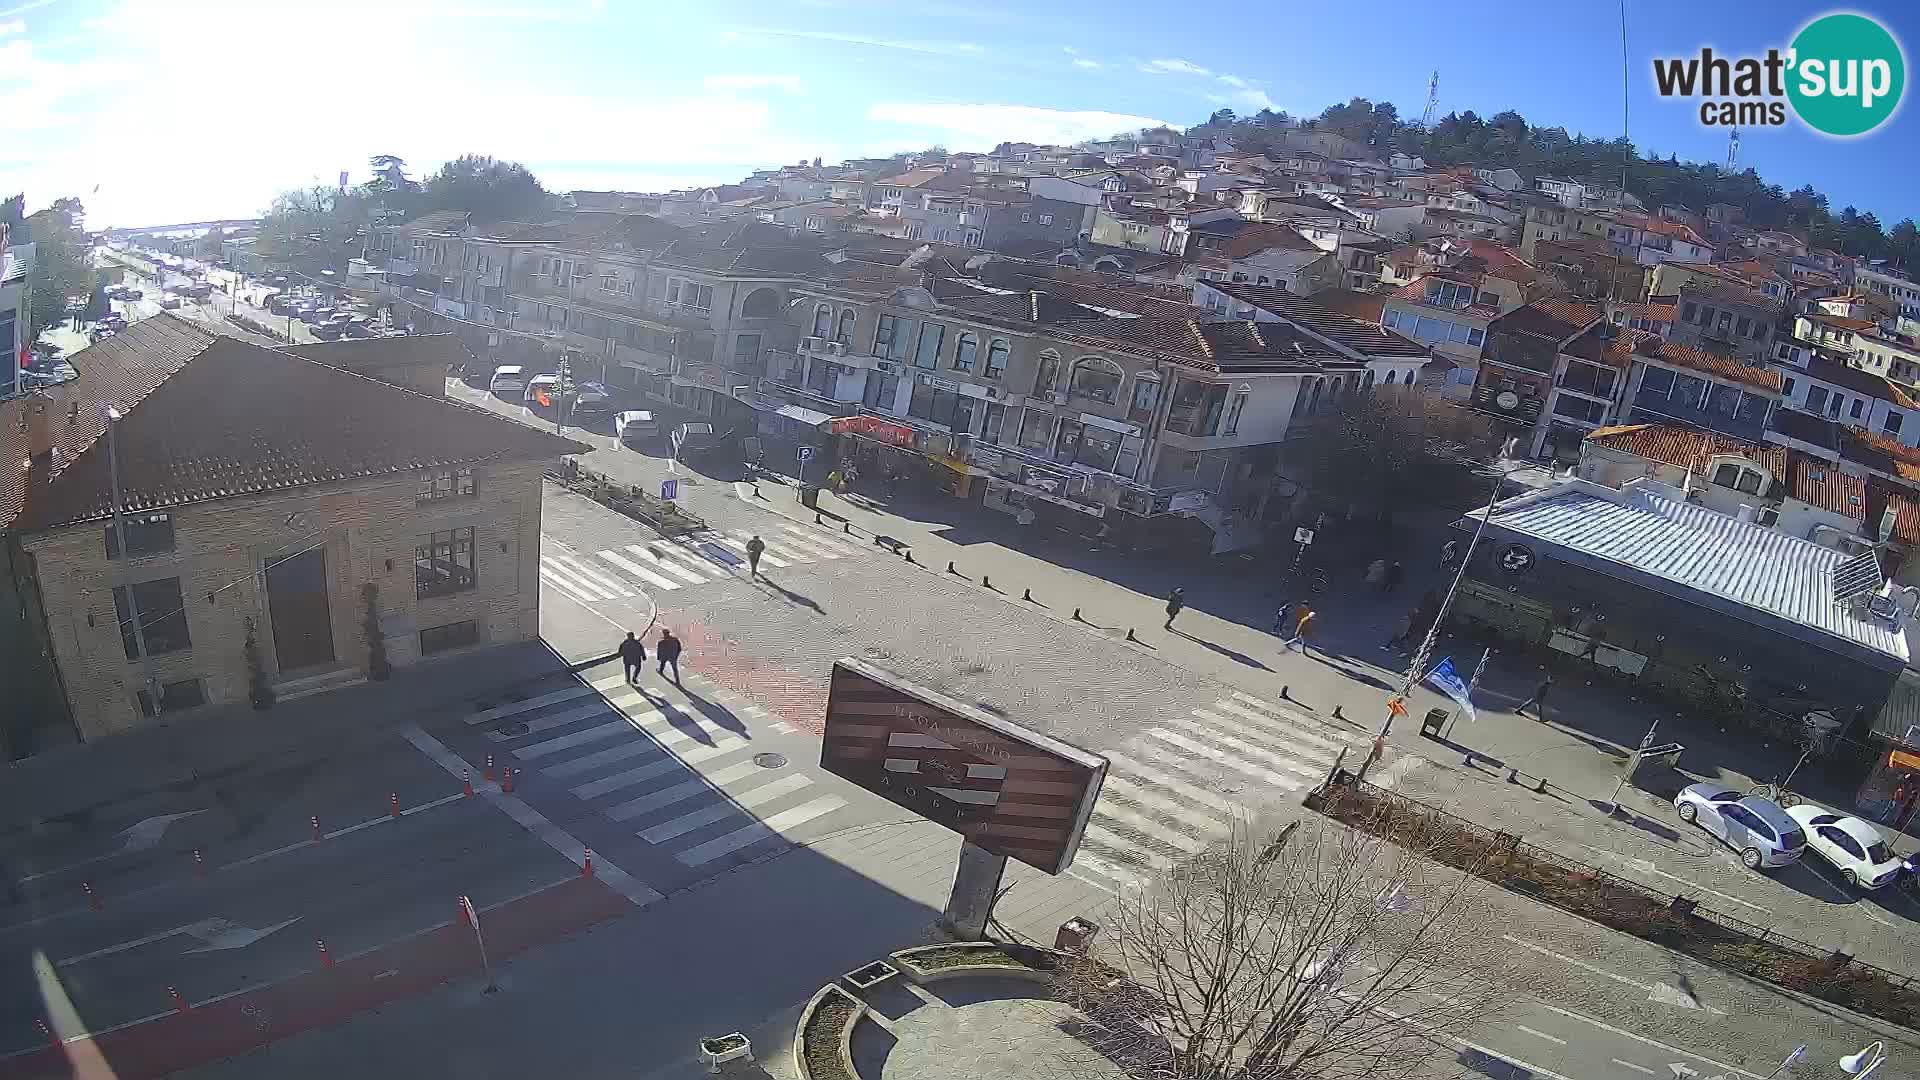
(804, 415)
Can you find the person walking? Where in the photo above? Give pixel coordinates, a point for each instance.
(1395, 575)
(632, 654)
(754, 547)
(1175, 601)
(1283, 618)
(668, 650)
(1538, 702)
(1301, 628)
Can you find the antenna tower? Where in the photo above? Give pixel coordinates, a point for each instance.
(1733, 150)
(1433, 99)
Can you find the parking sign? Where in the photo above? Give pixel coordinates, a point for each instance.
(806, 453)
(669, 489)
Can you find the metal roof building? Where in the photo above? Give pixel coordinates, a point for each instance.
(1744, 571)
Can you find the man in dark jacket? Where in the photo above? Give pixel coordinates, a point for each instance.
(755, 547)
(668, 650)
(1175, 602)
(632, 654)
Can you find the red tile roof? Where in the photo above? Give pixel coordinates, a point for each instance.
(1685, 448)
(1366, 307)
(119, 371)
(236, 419)
(1553, 319)
(1655, 347)
(1822, 484)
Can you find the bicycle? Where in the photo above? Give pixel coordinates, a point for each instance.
(1776, 792)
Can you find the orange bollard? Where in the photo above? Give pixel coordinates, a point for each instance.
(179, 1003)
(199, 864)
(586, 864)
(466, 783)
(393, 801)
(506, 779)
(326, 958)
(46, 1032)
(488, 774)
(93, 898)
(316, 828)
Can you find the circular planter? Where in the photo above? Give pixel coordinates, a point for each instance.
(843, 1037)
(916, 962)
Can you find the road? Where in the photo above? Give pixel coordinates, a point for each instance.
(756, 875)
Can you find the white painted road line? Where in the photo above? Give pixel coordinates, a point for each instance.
(687, 789)
(1119, 761)
(1284, 783)
(776, 825)
(1624, 1033)
(557, 720)
(1631, 1065)
(659, 768)
(704, 816)
(513, 707)
(552, 580)
(639, 571)
(1581, 964)
(598, 733)
(766, 556)
(534, 821)
(1293, 730)
(1525, 1030)
(659, 562)
(1122, 846)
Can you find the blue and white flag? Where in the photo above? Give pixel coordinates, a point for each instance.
(1448, 681)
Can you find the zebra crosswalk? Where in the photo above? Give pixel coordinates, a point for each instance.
(1186, 780)
(631, 758)
(712, 555)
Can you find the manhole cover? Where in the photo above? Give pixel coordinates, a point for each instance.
(518, 727)
(769, 761)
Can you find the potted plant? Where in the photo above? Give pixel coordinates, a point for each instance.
(258, 690)
(378, 669)
(717, 1049)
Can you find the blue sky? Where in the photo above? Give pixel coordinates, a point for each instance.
(197, 108)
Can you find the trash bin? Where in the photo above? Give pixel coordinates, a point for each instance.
(1075, 935)
(1436, 719)
(810, 496)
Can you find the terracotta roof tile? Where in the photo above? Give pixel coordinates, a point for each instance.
(383, 353)
(1554, 319)
(1822, 484)
(1685, 448)
(1655, 347)
(1363, 337)
(238, 419)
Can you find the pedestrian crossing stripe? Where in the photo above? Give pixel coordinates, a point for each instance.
(633, 760)
(1169, 790)
(616, 574)
(639, 571)
(647, 554)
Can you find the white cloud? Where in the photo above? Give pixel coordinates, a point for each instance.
(725, 83)
(1083, 62)
(1173, 67)
(935, 48)
(13, 26)
(1234, 80)
(981, 126)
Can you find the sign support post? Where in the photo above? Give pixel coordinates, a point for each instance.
(976, 882)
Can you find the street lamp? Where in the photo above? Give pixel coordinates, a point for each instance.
(1870, 1057)
(1418, 667)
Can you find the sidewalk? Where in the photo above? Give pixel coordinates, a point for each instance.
(72, 801)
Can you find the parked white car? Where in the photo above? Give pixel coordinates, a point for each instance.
(1852, 846)
(636, 426)
(1757, 828)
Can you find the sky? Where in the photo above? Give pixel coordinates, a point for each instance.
(191, 109)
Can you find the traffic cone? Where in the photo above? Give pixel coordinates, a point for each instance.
(199, 864)
(179, 1003)
(93, 898)
(466, 783)
(506, 780)
(487, 774)
(586, 863)
(326, 958)
(393, 803)
(316, 828)
(46, 1032)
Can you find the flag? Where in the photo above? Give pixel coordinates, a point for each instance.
(1446, 680)
(540, 395)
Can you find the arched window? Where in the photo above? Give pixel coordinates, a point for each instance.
(844, 335)
(1392, 375)
(822, 321)
(1146, 394)
(1048, 376)
(1366, 383)
(964, 351)
(760, 304)
(1096, 377)
(996, 359)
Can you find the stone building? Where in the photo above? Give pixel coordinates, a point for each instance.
(265, 497)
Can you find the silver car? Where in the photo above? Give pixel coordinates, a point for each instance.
(1757, 828)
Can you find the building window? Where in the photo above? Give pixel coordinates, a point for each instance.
(883, 335)
(1449, 294)
(147, 534)
(173, 696)
(1816, 399)
(844, 334)
(1146, 394)
(1096, 378)
(1891, 425)
(996, 359)
(443, 563)
(1046, 219)
(1049, 374)
(163, 618)
(1234, 407)
(1026, 216)
(1686, 311)
(1859, 404)
(451, 636)
(822, 321)
(932, 336)
(1786, 386)
(444, 484)
(964, 351)
(1745, 327)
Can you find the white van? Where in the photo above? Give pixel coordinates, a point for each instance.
(635, 427)
(549, 383)
(509, 381)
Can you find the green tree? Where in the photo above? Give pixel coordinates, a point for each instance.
(62, 263)
(490, 190)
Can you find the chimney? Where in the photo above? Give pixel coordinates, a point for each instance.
(1889, 518)
(1747, 513)
(38, 426)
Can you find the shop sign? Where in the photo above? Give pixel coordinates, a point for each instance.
(1515, 558)
(1903, 759)
(939, 383)
(882, 430)
(987, 459)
